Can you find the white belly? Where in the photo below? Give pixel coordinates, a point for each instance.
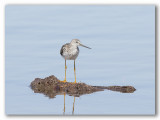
(71, 54)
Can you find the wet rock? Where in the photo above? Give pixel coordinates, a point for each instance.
(51, 86)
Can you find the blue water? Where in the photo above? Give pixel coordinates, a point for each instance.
(122, 39)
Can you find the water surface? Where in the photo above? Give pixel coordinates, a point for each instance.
(122, 39)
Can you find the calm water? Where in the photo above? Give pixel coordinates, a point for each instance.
(122, 39)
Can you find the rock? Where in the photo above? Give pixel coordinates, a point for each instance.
(51, 86)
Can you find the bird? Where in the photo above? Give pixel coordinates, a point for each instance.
(70, 51)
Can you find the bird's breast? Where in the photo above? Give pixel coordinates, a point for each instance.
(74, 51)
(71, 54)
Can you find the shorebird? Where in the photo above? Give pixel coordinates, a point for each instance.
(70, 51)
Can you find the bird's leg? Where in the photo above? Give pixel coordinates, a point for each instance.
(74, 71)
(65, 72)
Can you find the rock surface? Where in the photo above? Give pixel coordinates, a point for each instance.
(51, 86)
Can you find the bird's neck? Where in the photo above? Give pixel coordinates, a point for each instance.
(74, 46)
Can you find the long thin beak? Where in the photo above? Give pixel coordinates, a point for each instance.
(84, 46)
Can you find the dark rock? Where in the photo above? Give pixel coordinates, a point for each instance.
(51, 86)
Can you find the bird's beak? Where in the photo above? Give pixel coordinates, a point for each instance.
(84, 46)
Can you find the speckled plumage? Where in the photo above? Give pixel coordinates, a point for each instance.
(69, 52)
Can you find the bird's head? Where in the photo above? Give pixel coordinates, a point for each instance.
(77, 42)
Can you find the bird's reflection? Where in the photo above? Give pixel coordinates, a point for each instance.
(73, 107)
(64, 108)
(64, 104)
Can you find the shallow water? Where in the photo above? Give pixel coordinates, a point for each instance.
(122, 39)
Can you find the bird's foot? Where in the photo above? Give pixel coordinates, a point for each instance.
(64, 81)
(73, 82)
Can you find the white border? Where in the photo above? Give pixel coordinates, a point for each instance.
(2, 60)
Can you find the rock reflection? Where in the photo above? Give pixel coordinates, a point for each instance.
(51, 87)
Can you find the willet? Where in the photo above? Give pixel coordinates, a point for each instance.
(70, 51)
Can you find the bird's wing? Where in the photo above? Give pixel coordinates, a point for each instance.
(62, 48)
